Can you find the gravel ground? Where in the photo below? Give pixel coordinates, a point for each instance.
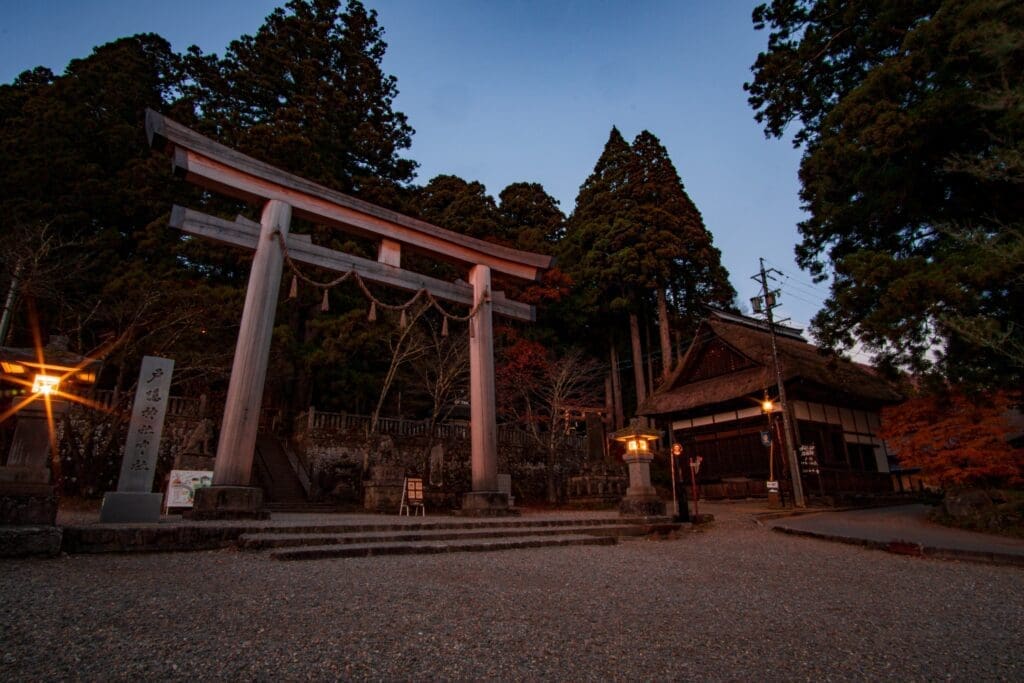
(735, 602)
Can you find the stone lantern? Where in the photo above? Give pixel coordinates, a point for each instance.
(42, 382)
(640, 498)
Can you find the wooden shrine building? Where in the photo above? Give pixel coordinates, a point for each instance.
(713, 404)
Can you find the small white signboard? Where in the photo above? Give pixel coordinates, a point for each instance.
(809, 459)
(182, 485)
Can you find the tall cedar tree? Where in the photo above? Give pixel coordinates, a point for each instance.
(602, 211)
(909, 112)
(307, 94)
(676, 253)
(593, 254)
(636, 238)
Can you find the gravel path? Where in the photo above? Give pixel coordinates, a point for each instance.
(735, 602)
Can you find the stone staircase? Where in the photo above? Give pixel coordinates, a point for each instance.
(283, 491)
(447, 537)
(309, 507)
(306, 536)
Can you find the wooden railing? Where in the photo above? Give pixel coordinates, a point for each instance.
(319, 421)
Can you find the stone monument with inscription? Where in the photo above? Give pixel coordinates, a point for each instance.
(134, 500)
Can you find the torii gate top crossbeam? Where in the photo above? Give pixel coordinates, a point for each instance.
(245, 233)
(214, 166)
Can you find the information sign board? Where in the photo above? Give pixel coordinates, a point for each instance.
(808, 459)
(182, 485)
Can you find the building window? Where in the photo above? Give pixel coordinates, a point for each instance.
(862, 457)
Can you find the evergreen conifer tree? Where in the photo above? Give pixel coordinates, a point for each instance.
(307, 94)
(675, 254)
(593, 252)
(532, 218)
(636, 244)
(464, 207)
(909, 114)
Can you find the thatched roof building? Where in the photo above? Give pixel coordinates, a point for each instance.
(731, 357)
(712, 401)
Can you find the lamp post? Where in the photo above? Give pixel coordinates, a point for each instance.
(641, 498)
(694, 468)
(674, 453)
(772, 485)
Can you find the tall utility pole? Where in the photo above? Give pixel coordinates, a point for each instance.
(770, 302)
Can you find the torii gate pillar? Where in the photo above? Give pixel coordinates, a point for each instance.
(484, 499)
(232, 495)
(217, 168)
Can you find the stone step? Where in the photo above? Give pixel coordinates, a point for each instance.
(405, 524)
(170, 536)
(438, 546)
(299, 505)
(289, 539)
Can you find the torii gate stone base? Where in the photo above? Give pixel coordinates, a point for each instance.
(282, 195)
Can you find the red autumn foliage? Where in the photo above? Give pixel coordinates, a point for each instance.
(956, 439)
(553, 286)
(523, 367)
(535, 387)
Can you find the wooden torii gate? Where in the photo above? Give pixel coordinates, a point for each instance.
(216, 167)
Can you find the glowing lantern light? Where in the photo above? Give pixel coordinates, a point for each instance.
(637, 446)
(45, 384)
(637, 439)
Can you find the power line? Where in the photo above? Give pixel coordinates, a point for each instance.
(804, 287)
(814, 302)
(799, 281)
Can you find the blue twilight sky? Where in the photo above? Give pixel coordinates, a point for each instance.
(503, 91)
